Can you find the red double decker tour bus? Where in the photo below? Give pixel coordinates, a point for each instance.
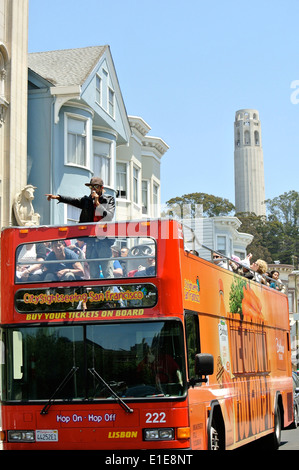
(168, 352)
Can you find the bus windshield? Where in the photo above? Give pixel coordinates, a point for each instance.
(85, 258)
(136, 359)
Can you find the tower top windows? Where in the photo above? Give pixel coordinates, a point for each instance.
(246, 115)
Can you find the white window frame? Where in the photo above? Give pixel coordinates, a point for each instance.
(135, 184)
(67, 117)
(156, 204)
(146, 192)
(240, 253)
(220, 250)
(109, 159)
(111, 104)
(99, 90)
(126, 197)
(72, 214)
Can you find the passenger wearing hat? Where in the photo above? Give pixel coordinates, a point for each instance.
(94, 208)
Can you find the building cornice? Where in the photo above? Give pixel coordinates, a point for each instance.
(155, 143)
(138, 124)
(63, 94)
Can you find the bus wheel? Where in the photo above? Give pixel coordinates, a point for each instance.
(274, 439)
(214, 439)
(295, 417)
(277, 428)
(216, 429)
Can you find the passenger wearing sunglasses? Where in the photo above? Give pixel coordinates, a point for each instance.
(94, 208)
(219, 260)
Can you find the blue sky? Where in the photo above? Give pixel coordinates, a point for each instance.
(186, 68)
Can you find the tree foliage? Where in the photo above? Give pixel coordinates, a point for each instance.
(276, 236)
(196, 204)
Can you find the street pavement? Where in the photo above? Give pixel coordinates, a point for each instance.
(290, 439)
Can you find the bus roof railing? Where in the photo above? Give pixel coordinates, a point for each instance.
(227, 259)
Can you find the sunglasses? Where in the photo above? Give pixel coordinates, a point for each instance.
(95, 186)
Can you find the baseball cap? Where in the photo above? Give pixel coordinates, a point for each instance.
(95, 180)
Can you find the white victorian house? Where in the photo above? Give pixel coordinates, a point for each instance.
(217, 233)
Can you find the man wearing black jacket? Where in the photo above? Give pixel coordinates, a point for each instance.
(94, 208)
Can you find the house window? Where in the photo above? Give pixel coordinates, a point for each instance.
(145, 197)
(221, 244)
(98, 89)
(240, 254)
(111, 101)
(73, 215)
(102, 161)
(76, 153)
(135, 184)
(156, 200)
(121, 180)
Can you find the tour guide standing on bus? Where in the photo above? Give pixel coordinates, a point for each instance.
(94, 208)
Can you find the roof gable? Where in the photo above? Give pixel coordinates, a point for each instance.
(72, 74)
(66, 67)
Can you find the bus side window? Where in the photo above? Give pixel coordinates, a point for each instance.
(17, 355)
(192, 342)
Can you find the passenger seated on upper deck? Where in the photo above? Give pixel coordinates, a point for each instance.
(117, 268)
(149, 270)
(277, 284)
(241, 267)
(220, 261)
(80, 249)
(124, 252)
(260, 268)
(62, 271)
(235, 265)
(30, 253)
(245, 270)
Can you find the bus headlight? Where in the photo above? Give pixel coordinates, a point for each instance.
(20, 436)
(158, 434)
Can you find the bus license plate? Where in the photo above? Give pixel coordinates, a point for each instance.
(45, 435)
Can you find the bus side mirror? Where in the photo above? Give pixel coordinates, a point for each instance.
(204, 365)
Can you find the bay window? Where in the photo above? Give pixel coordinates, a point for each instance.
(102, 160)
(76, 141)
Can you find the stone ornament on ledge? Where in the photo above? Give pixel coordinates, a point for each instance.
(23, 207)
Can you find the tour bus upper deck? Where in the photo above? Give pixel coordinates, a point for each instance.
(138, 238)
(132, 251)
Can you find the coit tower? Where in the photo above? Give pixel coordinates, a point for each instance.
(249, 163)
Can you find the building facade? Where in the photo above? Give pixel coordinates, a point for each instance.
(138, 173)
(78, 127)
(249, 163)
(13, 104)
(218, 234)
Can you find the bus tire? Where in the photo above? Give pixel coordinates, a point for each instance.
(296, 418)
(274, 439)
(216, 429)
(214, 443)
